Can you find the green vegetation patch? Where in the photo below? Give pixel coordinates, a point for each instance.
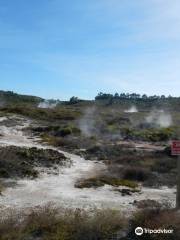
(43, 114)
(101, 181)
(59, 141)
(58, 131)
(153, 135)
(20, 162)
(156, 218)
(62, 224)
(52, 223)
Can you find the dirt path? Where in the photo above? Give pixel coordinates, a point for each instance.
(141, 146)
(59, 189)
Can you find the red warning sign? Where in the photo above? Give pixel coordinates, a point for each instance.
(175, 147)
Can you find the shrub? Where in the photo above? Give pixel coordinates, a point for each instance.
(157, 218)
(76, 130)
(59, 141)
(88, 183)
(4, 173)
(101, 181)
(136, 173)
(20, 162)
(65, 131)
(49, 223)
(164, 165)
(151, 134)
(43, 114)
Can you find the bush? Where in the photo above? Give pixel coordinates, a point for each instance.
(4, 173)
(136, 173)
(59, 141)
(151, 134)
(88, 183)
(164, 165)
(49, 223)
(101, 181)
(64, 132)
(43, 114)
(158, 218)
(20, 162)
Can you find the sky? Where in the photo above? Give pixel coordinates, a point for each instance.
(59, 49)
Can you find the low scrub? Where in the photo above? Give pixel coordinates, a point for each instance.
(156, 218)
(59, 141)
(152, 134)
(58, 131)
(43, 114)
(101, 181)
(21, 162)
(136, 173)
(49, 223)
(164, 165)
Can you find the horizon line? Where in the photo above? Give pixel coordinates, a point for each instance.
(90, 99)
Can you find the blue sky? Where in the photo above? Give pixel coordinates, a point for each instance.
(56, 49)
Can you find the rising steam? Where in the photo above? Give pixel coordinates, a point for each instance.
(159, 118)
(47, 104)
(87, 122)
(132, 109)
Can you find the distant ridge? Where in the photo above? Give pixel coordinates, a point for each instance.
(10, 96)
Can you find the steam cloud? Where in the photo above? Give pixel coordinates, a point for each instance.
(87, 122)
(47, 104)
(132, 109)
(159, 118)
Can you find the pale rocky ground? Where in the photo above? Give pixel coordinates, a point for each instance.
(59, 188)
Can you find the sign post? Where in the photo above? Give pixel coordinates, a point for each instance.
(175, 151)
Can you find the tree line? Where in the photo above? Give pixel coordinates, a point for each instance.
(131, 96)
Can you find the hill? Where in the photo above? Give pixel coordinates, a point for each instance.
(9, 97)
